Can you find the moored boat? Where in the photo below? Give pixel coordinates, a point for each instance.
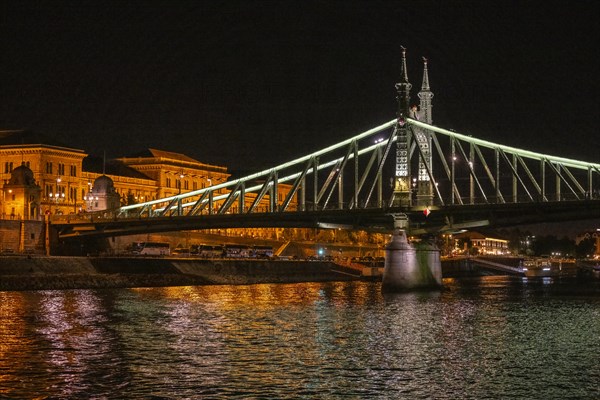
(540, 267)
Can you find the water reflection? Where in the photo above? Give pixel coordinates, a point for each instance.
(486, 337)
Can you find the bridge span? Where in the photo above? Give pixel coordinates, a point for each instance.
(438, 219)
(440, 179)
(342, 186)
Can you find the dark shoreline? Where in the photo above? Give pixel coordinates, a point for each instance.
(19, 273)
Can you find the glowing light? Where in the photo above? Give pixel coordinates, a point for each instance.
(513, 150)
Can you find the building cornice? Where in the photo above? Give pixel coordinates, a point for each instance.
(43, 149)
(91, 176)
(163, 162)
(40, 147)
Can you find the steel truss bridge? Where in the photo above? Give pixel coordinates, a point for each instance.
(468, 182)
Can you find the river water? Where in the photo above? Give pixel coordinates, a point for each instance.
(478, 338)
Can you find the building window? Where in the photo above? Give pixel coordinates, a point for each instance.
(195, 186)
(168, 182)
(8, 167)
(73, 170)
(61, 168)
(185, 185)
(48, 167)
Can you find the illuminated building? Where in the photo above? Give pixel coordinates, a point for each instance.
(67, 176)
(21, 195)
(175, 173)
(55, 167)
(63, 180)
(485, 244)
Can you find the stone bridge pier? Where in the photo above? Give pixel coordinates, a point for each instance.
(408, 267)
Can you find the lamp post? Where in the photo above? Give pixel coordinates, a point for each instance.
(181, 176)
(3, 201)
(57, 193)
(57, 198)
(597, 243)
(89, 199)
(12, 214)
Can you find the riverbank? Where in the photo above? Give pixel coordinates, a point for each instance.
(50, 273)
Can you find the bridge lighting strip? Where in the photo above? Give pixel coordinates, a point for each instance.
(268, 171)
(292, 176)
(286, 178)
(508, 149)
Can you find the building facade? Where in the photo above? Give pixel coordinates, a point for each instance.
(175, 173)
(483, 244)
(56, 170)
(71, 181)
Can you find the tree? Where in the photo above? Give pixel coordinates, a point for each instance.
(551, 245)
(585, 248)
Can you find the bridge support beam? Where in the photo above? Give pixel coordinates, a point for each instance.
(410, 268)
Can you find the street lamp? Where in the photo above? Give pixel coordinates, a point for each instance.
(57, 197)
(90, 200)
(181, 176)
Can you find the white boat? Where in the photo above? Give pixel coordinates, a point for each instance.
(539, 267)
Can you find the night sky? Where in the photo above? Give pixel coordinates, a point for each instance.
(251, 84)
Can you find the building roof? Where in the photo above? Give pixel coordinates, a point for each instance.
(103, 185)
(155, 153)
(170, 159)
(22, 137)
(22, 176)
(97, 165)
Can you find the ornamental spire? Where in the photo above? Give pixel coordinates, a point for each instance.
(403, 89)
(425, 85)
(425, 96)
(404, 71)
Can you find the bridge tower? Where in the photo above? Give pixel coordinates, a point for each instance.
(408, 268)
(423, 137)
(402, 190)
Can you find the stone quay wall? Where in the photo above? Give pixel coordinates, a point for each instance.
(28, 234)
(49, 273)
